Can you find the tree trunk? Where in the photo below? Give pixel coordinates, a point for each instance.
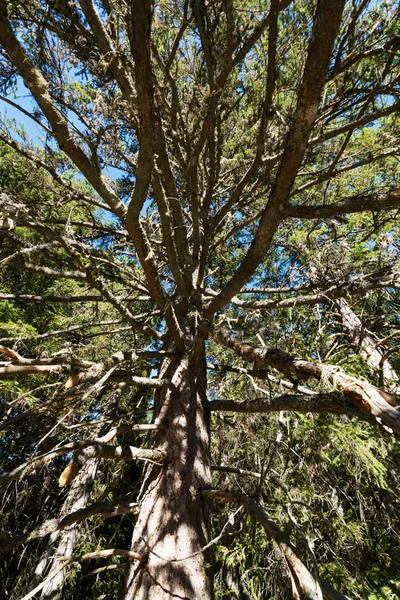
(63, 543)
(173, 523)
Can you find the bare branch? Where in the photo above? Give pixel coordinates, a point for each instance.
(369, 118)
(330, 402)
(388, 277)
(92, 448)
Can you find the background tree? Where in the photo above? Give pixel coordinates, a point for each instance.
(219, 195)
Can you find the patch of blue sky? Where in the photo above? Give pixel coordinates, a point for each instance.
(19, 106)
(21, 117)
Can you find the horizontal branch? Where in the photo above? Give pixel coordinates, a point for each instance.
(358, 123)
(363, 395)
(92, 449)
(372, 202)
(104, 509)
(330, 172)
(329, 402)
(61, 358)
(10, 370)
(62, 299)
(56, 364)
(277, 380)
(387, 277)
(70, 330)
(272, 160)
(235, 471)
(68, 299)
(97, 449)
(96, 370)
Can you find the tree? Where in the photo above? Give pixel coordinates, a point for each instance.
(196, 153)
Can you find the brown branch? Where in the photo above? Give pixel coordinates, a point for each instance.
(66, 359)
(330, 172)
(330, 402)
(271, 161)
(235, 471)
(117, 61)
(304, 584)
(373, 202)
(68, 299)
(99, 450)
(10, 370)
(93, 449)
(62, 299)
(70, 330)
(39, 88)
(139, 36)
(366, 397)
(328, 135)
(96, 370)
(326, 25)
(49, 272)
(104, 509)
(388, 277)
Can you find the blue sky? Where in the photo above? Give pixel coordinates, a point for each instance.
(23, 98)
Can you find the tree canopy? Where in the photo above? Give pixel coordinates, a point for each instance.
(199, 309)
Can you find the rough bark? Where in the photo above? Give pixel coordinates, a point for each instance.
(173, 523)
(366, 397)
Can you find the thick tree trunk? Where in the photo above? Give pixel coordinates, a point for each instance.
(173, 523)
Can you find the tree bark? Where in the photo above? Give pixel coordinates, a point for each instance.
(363, 339)
(63, 543)
(173, 523)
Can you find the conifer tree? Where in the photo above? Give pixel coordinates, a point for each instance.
(215, 192)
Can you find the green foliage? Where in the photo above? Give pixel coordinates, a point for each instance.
(331, 483)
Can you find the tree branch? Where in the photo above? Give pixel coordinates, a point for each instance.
(373, 202)
(387, 277)
(366, 397)
(329, 402)
(39, 88)
(106, 510)
(92, 449)
(326, 26)
(304, 584)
